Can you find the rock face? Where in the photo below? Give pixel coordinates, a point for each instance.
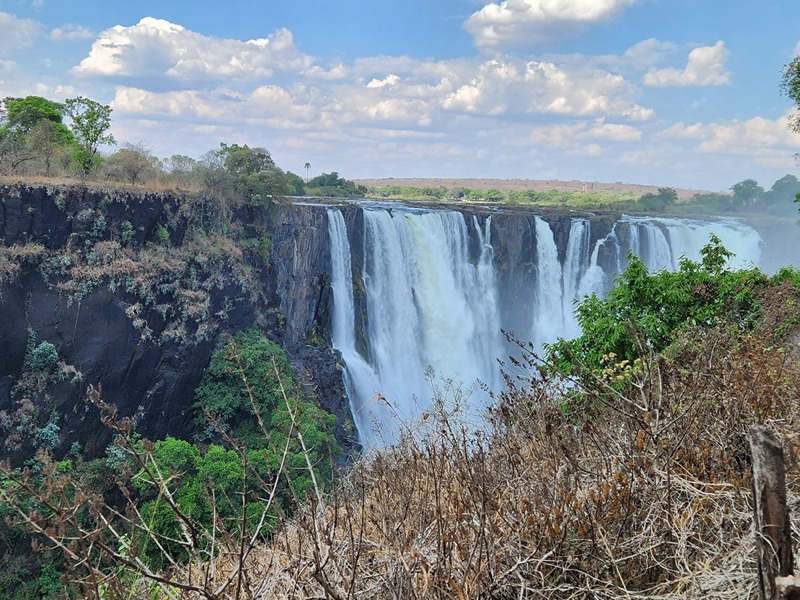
(90, 271)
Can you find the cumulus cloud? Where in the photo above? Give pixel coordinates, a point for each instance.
(737, 137)
(158, 49)
(706, 66)
(16, 34)
(522, 22)
(511, 86)
(71, 33)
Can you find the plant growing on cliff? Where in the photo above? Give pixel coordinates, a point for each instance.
(243, 391)
(177, 506)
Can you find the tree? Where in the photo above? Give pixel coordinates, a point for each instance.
(179, 169)
(790, 86)
(131, 163)
(782, 193)
(32, 132)
(644, 311)
(746, 192)
(296, 185)
(660, 201)
(90, 124)
(23, 114)
(252, 395)
(254, 176)
(307, 166)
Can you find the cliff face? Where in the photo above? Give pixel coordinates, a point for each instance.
(134, 298)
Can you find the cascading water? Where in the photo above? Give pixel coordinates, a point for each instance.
(431, 297)
(427, 305)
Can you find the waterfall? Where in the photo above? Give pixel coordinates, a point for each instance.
(661, 243)
(360, 380)
(428, 305)
(548, 321)
(430, 298)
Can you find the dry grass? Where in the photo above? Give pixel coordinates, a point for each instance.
(635, 488)
(639, 491)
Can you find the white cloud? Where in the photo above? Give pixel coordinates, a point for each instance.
(738, 137)
(576, 134)
(511, 86)
(706, 66)
(16, 34)
(648, 52)
(518, 22)
(71, 33)
(169, 53)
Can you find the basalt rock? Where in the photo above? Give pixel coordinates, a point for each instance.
(147, 347)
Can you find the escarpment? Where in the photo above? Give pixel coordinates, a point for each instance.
(132, 291)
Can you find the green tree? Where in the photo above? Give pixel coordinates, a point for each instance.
(21, 115)
(90, 122)
(254, 176)
(307, 167)
(32, 134)
(660, 201)
(295, 184)
(746, 193)
(332, 185)
(712, 202)
(251, 393)
(782, 194)
(790, 86)
(644, 311)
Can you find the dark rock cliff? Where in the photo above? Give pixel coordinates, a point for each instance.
(135, 304)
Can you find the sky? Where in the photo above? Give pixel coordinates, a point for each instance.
(680, 93)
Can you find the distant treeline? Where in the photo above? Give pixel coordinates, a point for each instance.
(745, 196)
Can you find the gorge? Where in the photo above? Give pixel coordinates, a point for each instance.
(421, 296)
(134, 290)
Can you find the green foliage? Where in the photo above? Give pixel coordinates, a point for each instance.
(660, 201)
(712, 202)
(22, 115)
(250, 391)
(295, 184)
(644, 311)
(41, 357)
(746, 193)
(255, 177)
(790, 86)
(162, 235)
(126, 232)
(90, 124)
(331, 185)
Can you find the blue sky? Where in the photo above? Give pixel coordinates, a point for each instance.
(665, 92)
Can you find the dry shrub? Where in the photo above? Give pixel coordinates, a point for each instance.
(16, 257)
(638, 488)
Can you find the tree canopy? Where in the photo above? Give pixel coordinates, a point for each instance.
(90, 122)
